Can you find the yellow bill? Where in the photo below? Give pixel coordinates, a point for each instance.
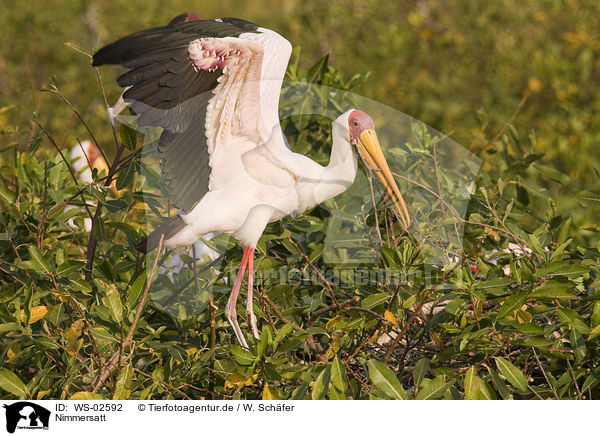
(373, 154)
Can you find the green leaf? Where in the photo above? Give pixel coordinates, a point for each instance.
(9, 326)
(595, 318)
(384, 378)
(536, 342)
(485, 392)
(577, 345)
(266, 339)
(390, 255)
(243, 357)
(102, 335)
(126, 175)
(590, 382)
(410, 301)
(512, 374)
(81, 286)
(336, 394)
(8, 195)
(123, 386)
(572, 318)
(528, 328)
(128, 137)
(553, 290)
(10, 382)
(499, 383)
(321, 386)
(300, 392)
(433, 389)
(472, 384)
(357, 79)
(99, 230)
(338, 375)
(315, 74)
(509, 207)
(69, 266)
(561, 269)
(283, 332)
(374, 300)
(559, 251)
(421, 368)
(498, 282)
(593, 334)
(511, 304)
(115, 205)
(83, 395)
(38, 258)
(136, 290)
(113, 302)
(454, 306)
(535, 243)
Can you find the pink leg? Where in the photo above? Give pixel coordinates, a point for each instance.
(230, 311)
(249, 305)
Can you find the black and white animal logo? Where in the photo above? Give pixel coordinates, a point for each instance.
(26, 415)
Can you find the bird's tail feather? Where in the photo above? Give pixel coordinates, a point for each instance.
(169, 228)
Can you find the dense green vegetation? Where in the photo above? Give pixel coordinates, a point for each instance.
(507, 309)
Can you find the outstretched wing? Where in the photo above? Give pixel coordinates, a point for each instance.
(201, 82)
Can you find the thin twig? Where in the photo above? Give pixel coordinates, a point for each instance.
(360, 346)
(509, 122)
(574, 380)
(315, 269)
(167, 385)
(314, 346)
(370, 178)
(168, 300)
(92, 241)
(112, 363)
(329, 308)
(213, 343)
(536, 394)
(114, 167)
(544, 372)
(101, 84)
(420, 304)
(439, 190)
(462, 220)
(73, 176)
(518, 240)
(55, 89)
(11, 274)
(59, 207)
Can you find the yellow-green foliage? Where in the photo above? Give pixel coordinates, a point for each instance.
(518, 316)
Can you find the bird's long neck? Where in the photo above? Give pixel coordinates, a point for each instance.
(341, 171)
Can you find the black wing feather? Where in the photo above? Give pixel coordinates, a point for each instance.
(166, 91)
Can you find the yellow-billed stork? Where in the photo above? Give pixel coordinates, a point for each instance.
(214, 86)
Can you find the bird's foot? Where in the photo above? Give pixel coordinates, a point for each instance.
(231, 314)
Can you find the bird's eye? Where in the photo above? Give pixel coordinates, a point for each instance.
(355, 123)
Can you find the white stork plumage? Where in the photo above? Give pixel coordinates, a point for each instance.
(214, 86)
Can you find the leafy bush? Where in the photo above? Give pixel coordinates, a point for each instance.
(514, 314)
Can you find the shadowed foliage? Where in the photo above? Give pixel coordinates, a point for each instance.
(514, 314)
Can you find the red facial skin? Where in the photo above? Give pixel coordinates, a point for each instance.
(359, 121)
(93, 154)
(184, 18)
